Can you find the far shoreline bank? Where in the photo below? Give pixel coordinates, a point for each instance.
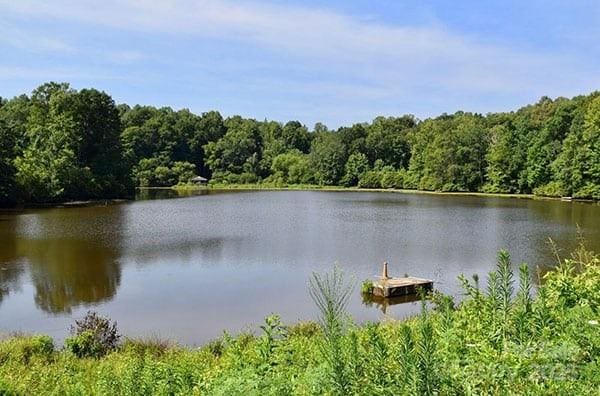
(66, 204)
(259, 187)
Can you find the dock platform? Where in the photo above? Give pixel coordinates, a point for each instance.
(387, 287)
(394, 287)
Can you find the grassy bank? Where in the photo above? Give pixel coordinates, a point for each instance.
(312, 187)
(498, 340)
(267, 186)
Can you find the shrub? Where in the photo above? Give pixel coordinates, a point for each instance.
(85, 345)
(366, 287)
(215, 347)
(393, 179)
(247, 178)
(589, 190)
(370, 179)
(183, 171)
(154, 346)
(576, 281)
(304, 329)
(93, 336)
(552, 189)
(23, 348)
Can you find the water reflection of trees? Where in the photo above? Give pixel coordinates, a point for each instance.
(10, 276)
(566, 223)
(11, 271)
(143, 194)
(70, 272)
(70, 265)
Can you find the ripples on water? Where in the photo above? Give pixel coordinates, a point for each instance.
(189, 268)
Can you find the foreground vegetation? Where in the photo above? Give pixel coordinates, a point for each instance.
(498, 340)
(60, 144)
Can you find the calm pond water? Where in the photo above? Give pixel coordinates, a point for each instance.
(188, 268)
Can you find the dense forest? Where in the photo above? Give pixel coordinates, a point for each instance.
(61, 144)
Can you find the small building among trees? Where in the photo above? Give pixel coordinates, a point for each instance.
(199, 180)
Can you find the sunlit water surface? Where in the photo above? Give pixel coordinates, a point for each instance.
(189, 268)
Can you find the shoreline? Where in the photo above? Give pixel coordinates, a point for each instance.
(66, 204)
(258, 187)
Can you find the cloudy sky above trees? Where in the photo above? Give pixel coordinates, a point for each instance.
(337, 62)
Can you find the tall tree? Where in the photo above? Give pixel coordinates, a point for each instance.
(238, 151)
(449, 153)
(47, 169)
(8, 194)
(387, 140)
(98, 140)
(577, 168)
(328, 157)
(209, 128)
(295, 136)
(356, 165)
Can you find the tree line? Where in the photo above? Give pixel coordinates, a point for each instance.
(61, 144)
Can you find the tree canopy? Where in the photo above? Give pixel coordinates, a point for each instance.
(62, 144)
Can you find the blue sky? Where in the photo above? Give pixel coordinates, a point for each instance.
(336, 62)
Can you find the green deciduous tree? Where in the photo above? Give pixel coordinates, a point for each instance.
(577, 168)
(8, 194)
(238, 151)
(356, 165)
(387, 140)
(292, 167)
(62, 144)
(328, 157)
(295, 136)
(449, 153)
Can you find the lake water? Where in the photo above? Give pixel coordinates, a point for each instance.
(189, 268)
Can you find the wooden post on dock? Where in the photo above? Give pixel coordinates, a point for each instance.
(393, 287)
(384, 274)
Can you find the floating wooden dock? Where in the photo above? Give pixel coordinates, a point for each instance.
(394, 287)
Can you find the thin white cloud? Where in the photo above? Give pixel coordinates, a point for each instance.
(31, 41)
(53, 74)
(371, 61)
(124, 57)
(401, 55)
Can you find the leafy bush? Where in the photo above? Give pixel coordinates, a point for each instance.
(85, 345)
(304, 329)
(215, 347)
(153, 346)
(552, 189)
(242, 178)
(93, 336)
(393, 179)
(366, 287)
(370, 179)
(589, 191)
(575, 281)
(23, 348)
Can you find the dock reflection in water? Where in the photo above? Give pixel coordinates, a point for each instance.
(383, 303)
